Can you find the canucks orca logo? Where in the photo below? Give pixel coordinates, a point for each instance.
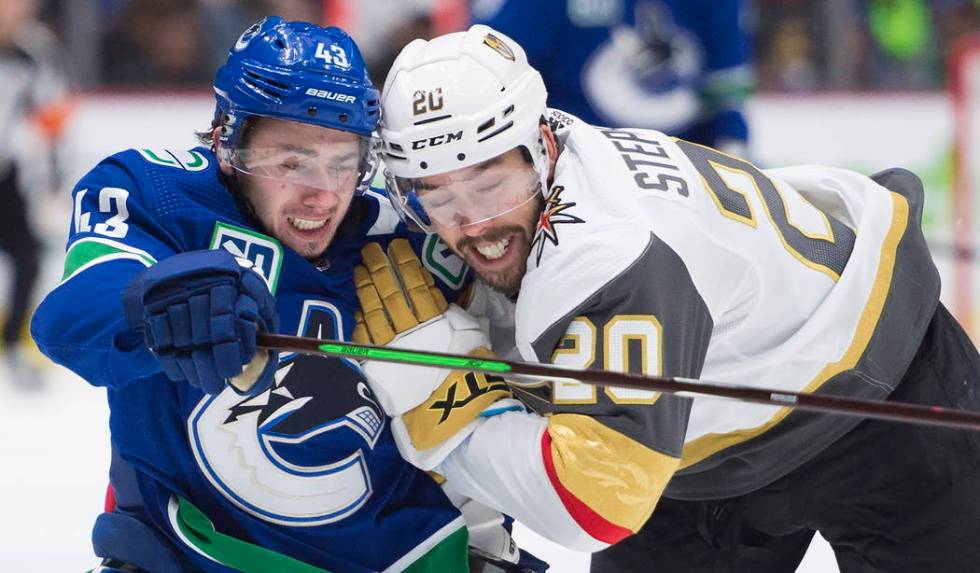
(295, 454)
(443, 262)
(186, 160)
(247, 36)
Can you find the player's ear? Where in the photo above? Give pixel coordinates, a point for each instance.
(550, 146)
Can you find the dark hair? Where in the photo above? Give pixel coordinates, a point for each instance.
(204, 137)
(247, 127)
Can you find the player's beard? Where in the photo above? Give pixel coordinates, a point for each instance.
(506, 280)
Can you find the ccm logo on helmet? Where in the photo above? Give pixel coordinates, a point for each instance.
(437, 140)
(342, 98)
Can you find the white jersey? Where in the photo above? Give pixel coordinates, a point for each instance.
(667, 258)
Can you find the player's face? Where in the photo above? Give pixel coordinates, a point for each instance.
(300, 180)
(495, 246)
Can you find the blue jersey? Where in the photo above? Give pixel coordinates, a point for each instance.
(306, 471)
(678, 66)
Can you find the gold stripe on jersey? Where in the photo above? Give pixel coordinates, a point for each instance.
(749, 220)
(701, 448)
(614, 475)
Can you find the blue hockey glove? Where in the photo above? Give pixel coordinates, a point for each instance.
(199, 313)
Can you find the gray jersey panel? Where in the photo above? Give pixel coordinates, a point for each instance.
(656, 284)
(832, 254)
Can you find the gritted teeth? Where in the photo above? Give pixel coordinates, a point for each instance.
(493, 250)
(306, 224)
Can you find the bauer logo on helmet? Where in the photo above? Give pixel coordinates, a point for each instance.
(326, 94)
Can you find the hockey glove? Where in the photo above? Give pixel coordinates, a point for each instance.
(433, 409)
(199, 312)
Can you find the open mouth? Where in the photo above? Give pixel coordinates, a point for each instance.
(307, 224)
(496, 254)
(495, 250)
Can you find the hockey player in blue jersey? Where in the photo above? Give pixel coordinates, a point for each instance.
(226, 457)
(678, 66)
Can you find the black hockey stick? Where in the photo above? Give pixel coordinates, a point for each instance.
(688, 387)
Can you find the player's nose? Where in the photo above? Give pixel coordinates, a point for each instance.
(319, 198)
(476, 229)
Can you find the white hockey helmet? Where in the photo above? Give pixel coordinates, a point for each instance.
(456, 101)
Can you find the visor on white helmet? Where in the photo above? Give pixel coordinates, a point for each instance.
(467, 196)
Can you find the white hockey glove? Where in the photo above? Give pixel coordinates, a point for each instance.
(432, 409)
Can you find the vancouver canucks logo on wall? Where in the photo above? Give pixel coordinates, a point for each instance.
(553, 214)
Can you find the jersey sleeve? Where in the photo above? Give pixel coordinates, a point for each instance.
(114, 234)
(587, 468)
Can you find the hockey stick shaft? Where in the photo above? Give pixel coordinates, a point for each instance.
(875, 409)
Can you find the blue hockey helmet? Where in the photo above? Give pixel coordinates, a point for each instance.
(296, 71)
(300, 72)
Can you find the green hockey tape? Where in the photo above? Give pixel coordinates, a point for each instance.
(409, 357)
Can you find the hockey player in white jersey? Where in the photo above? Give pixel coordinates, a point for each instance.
(627, 250)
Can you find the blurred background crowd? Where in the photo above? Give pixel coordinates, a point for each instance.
(799, 45)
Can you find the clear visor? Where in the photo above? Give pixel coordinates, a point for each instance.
(466, 196)
(342, 165)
